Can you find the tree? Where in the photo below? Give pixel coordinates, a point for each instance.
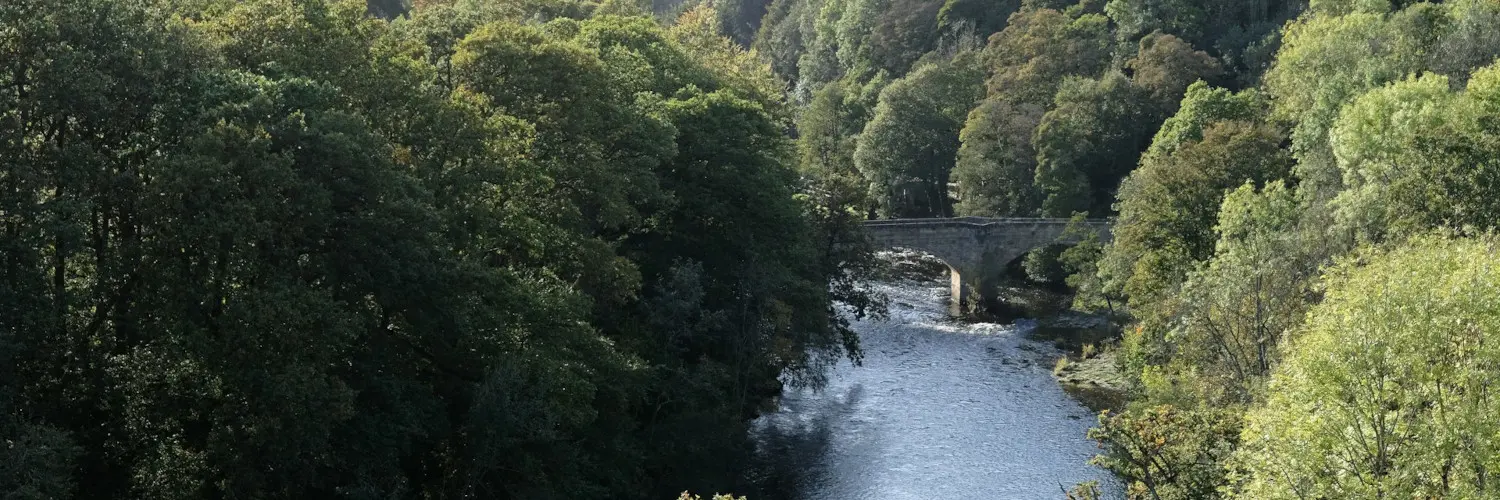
(1473, 41)
(1081, 263)
(280, 249)
(1165, 66)
(979, 17)
(907, 150)
(841, 47)
(836, 193)
(1415, 155)
(826, 144)
(1039, 48)
(903, 33)
(1088, 142)
(785, 35)
(1165, 452)
(1042, 264)
(852, 34)
(1201, 106)
(996, 164)
(1137, 18)
(1325, 60)
(1167, 206)
(1167, 214)
(740, 20)
(728, 63)
(91, 98)
(1240, 304)
(819, 64)
(1385, 391)
(1226, 331)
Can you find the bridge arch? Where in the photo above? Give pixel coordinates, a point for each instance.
(976, 249)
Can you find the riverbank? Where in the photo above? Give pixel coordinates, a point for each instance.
(1087, 366)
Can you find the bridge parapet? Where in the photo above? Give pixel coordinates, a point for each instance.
(976, 249)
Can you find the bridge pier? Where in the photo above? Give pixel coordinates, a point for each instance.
(963, 286)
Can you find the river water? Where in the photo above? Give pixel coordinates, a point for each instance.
(937, 411)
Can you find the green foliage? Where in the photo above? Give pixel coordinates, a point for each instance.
(1168, 208)
(818, 64)
(1387, 391)
(1328, 59)
(1081, 263)
(1415, 155)
(698, 36)
(835, 192)
(1341, 7)
(1084, 491)
(1040, 47)
(907, 150)
(39, 462)
(863, 40)
(1015, 157)
(996, 165)
(903, 33)
(979, 17)
(1165, 66)
(1213, 341)
(1201, 106)
(1088, 142)
(1472, 41)
(280, 249)
(1240, 304)
(739, 20)
(520, 248)
(1166, 452)
(1137, 18)
(785, 34)
(826, 147)
(1042, 265)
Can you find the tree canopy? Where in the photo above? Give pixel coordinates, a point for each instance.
(280, 248)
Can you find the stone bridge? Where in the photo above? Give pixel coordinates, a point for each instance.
(976, 249)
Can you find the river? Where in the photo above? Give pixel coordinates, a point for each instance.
(938, 410)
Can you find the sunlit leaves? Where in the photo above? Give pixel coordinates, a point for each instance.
(1388, 390)
(1414, 155)
(1088, 142)
(1238, 306)
(996, 164)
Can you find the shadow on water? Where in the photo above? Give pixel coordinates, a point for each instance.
(1097, 398)
(791, 449)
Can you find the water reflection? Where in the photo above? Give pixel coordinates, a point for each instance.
(938, 411)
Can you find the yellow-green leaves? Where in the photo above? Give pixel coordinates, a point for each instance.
(1414, 155)
(1388, 391)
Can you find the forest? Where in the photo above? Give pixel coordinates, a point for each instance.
(285, 249)
(569, 248)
